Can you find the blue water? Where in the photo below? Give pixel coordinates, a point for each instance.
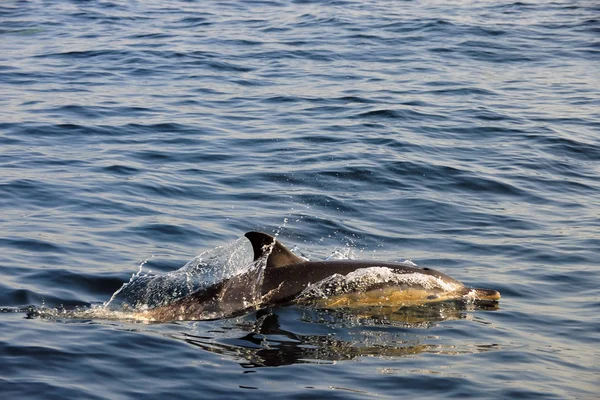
(464, 136)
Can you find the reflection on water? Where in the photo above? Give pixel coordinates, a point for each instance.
(260, 339)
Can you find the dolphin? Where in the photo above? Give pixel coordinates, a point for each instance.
(287, 278)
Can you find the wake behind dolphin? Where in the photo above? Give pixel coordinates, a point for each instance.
(276, 276)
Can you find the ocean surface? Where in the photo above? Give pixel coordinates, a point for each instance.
(461, 135)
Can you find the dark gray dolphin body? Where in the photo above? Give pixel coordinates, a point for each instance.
(287, 276)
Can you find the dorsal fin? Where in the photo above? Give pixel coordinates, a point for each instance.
(280, 255)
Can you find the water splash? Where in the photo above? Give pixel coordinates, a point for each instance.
(146, 290)
(125, 285)
(144, 297)
(347, 253)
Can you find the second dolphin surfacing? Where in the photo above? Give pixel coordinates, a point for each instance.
(330, 284)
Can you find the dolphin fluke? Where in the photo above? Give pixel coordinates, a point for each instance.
(280, 256)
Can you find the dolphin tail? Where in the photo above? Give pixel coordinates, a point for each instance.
(279, 256)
